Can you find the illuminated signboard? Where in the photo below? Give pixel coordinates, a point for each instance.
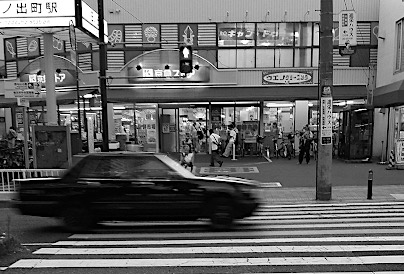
(90, 20)
(63, 79)
(287, 77)
(50, 13)
(36, 13)
(167, 75)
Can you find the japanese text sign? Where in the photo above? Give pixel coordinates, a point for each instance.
(347, 28)
(36, 13)
(326, 120)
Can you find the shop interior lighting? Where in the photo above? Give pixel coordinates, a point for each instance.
(279, 105)
(361, 109)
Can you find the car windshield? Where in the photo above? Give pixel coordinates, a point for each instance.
(175, 166)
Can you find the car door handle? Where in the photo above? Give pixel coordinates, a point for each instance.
(89, 183)
(143, 183)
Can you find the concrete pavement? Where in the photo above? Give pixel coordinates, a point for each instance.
(298, 181)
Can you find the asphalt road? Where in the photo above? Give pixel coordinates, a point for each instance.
(284, 239)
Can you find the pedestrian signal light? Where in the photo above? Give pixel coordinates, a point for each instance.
(185, 59)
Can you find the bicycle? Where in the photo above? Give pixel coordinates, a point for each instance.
(285, 149)
(260, 145)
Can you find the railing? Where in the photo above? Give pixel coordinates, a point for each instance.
(8, 175)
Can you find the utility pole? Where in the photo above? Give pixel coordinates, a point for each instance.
(325, 93)
(103, 79)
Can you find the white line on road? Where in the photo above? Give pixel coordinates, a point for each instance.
(231, 241)
(253, 233)
(204, 262)
(218, 250)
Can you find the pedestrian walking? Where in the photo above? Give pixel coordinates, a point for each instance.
(215, 144)
(306, 137)
(232, 140)
(273, 137)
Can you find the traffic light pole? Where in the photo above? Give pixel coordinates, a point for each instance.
(103, 79)
(324, 140)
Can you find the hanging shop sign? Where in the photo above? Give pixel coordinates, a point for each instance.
(172, 74)
(287, 77)
(347, 28)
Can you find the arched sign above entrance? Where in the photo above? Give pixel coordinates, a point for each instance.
(163, 66)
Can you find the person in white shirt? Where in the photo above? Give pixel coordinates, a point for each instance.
(215, 141)
(232, 140)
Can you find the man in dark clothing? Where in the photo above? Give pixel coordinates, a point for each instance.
(304, 145)
(215, 142)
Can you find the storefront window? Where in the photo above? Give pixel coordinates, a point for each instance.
(236, 35)
(145, 132)
(192, 128)
(265, 58)
(303, 34)
(281, 114)
(302, 58)
(245, 58)
(266, 34)
(285, 35)
(283, 58)
(227, 58)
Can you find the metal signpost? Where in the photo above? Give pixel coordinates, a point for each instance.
(24, 90)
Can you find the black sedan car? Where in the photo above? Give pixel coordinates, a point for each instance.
(136, 187)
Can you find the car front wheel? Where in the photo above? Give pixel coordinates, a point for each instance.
(222, 214)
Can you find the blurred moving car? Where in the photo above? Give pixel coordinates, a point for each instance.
(126, 186)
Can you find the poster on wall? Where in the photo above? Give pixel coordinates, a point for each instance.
(400, 151)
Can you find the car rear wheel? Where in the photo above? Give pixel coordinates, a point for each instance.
(76, 218)
(222, 214)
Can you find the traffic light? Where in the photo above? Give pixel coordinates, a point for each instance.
(185, 59)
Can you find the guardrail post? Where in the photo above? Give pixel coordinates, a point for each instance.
(370, 184)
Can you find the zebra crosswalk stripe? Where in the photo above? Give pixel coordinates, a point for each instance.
(203, 262)
(275, 237)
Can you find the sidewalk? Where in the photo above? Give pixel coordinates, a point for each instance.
(298, 182)
(286, 182)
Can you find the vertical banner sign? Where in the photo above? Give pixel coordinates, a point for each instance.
(326, 116)
(347, 28)
(400, 151)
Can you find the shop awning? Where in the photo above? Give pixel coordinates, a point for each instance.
(389, 95)
(161, 94)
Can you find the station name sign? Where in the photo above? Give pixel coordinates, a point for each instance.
(50, 13)
(287, 77)
(36, 13)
